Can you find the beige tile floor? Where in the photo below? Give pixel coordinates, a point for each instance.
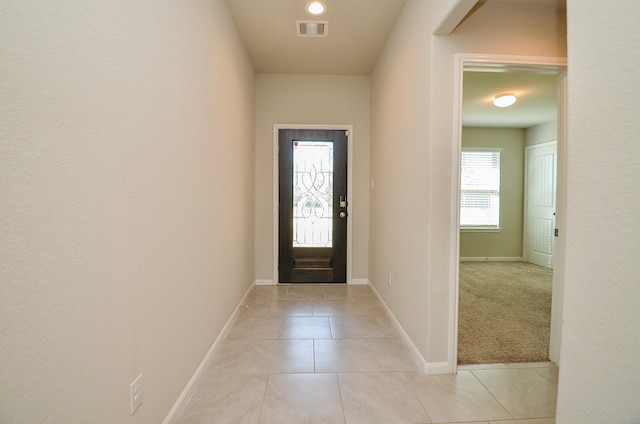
(329, 354)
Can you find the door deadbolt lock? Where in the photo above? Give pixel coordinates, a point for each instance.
(343, 201)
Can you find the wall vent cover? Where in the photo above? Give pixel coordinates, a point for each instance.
(312, 28)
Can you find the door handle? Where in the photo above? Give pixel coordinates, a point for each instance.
(343, 214)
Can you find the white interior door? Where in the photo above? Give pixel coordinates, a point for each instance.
(540, 203)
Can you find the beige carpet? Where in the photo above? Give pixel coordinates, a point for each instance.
(504, 313)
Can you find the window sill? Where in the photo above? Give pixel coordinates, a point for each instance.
(480, 229)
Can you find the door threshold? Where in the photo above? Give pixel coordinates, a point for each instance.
(312, 284)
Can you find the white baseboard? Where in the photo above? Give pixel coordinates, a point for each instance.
(425, 367)
(354, 281)
(417, 356)
(438, 368)
(492, 259)
(186, 394)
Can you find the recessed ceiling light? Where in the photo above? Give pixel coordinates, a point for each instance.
(316, 8)
(504, 100)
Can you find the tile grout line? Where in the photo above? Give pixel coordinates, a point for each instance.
(344, 416)
(413, 389)
(264, 398)
(313, 341)
(492, 395)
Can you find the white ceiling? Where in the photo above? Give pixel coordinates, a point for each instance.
(357, 32)
(354, 42)
(536, 104)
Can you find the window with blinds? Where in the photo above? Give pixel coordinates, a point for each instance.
(480, 188)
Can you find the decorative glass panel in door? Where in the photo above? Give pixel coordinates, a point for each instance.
(312, 193)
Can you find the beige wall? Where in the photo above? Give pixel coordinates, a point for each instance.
(411, 153)
(600, 346)
(507, 243)
(311, 99)
(127, 199)
(542, 133)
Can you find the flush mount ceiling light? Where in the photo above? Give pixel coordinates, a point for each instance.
(316, 8)
(504, 100)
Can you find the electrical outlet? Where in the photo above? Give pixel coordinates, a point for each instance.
(389, 279)
(135, 393)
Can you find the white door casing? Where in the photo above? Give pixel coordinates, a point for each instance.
(276, 179)
(560, 221)
(553, 64)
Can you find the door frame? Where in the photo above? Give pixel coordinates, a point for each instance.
(276, 181)
(507, 62)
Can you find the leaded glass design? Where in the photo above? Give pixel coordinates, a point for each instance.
(312, 193)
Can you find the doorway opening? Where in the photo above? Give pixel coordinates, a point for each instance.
(507, 238)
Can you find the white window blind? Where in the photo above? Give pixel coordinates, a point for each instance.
(480, 187)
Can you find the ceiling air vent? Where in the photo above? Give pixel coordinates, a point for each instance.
(312, 28)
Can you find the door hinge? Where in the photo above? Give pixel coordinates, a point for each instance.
(555, 232)
(346, 133)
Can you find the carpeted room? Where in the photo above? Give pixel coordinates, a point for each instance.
(504, 312)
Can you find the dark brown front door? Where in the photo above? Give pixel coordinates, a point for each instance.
(313, 206)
